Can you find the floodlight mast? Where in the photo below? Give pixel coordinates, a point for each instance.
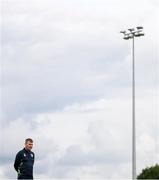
(131, 34)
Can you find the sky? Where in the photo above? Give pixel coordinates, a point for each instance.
(66, 76)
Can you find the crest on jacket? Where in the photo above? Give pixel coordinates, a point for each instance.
(31, 155)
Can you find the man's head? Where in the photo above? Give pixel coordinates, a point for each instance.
(28, 144)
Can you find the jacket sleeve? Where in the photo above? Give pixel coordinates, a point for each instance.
(34, 158)
(17, 161)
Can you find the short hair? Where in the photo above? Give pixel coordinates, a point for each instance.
(28, 140)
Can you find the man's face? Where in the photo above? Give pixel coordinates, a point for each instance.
(28, 145)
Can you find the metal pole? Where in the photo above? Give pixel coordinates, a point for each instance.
(133, 114)
(131, 34)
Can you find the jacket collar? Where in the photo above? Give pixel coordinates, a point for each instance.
(26, 150)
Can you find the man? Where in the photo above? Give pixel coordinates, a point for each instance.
(24, 161)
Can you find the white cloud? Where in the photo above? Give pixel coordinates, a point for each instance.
(66, 81)
(83, 139)
(2, 176)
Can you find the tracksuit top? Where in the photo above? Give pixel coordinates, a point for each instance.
(23, 164)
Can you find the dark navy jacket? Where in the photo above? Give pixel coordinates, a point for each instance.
(23, 164)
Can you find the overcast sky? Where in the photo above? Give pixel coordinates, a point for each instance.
(66, 83)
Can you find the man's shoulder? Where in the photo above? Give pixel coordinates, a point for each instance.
(20, 152)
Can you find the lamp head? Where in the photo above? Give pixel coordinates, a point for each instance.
(139, 27)
(126, 37)
(131, 29)
(123, 32)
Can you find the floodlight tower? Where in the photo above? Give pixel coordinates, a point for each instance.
(131, 34)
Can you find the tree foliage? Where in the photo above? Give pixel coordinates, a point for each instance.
(149, 173)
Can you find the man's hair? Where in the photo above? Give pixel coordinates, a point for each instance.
(28, 140)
